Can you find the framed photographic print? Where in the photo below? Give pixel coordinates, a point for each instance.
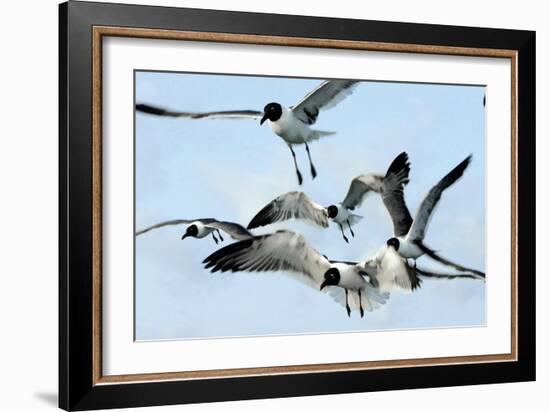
(257, 205)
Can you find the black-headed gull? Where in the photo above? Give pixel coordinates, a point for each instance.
(292, 123)
(410, 244)
(290, 252)
(389, 186)
(199, 228)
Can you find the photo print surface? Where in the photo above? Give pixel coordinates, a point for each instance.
(283, 206)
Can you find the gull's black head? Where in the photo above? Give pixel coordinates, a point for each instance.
(191, 231)
(332, 211)
(272, 111)
(332, 278)
(393, 242)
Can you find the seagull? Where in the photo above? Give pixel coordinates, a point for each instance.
(292, 124)
(290, 252)
(390, 188)
(199, 228)
(388, 272)
(410, 244)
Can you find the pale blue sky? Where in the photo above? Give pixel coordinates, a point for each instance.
(229, 169)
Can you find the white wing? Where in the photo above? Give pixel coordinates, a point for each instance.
(234, 230)
(287, 252)
(227, 114)
(371, 298)
(172, 223)
(422, 218)
(291, 205)
(389, 270)
(328, 94)
(280, 251)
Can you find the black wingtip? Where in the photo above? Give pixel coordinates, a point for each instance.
(224, 259)
(400, 162)
(416, 282)
(466, 161)
(400, 165)
(457, 172)
(145, 108)
(434, 255)
(263, 217)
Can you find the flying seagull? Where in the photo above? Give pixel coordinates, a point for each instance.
(385, 273)
(200, 228)
(290, 252)
(390, 188)
(411, 245)
(292, 124)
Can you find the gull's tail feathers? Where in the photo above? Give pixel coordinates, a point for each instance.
(317, 134)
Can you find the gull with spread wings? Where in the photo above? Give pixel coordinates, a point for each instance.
(199, 228)
(289, 252)
(389, 186)
(409, 243)
(391, 271)
(292, 124)
(360, 286)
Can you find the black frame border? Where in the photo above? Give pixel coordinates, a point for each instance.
(76, 388)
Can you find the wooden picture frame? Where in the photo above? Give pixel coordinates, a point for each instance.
(83, 26)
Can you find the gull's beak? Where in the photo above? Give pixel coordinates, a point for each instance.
(263, 119)
(184, 236)
(323, 285)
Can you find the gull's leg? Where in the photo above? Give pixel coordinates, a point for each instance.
(215, 238)
(347, 305)
(296, 165)
(360, 304)
(219, 234)
(350, 229)
(313, 171)
(342, 230)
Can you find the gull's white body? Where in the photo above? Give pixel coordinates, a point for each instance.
(292, 130)
(350, 278)
(409, 249)
(202, 229)
(344, 216)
